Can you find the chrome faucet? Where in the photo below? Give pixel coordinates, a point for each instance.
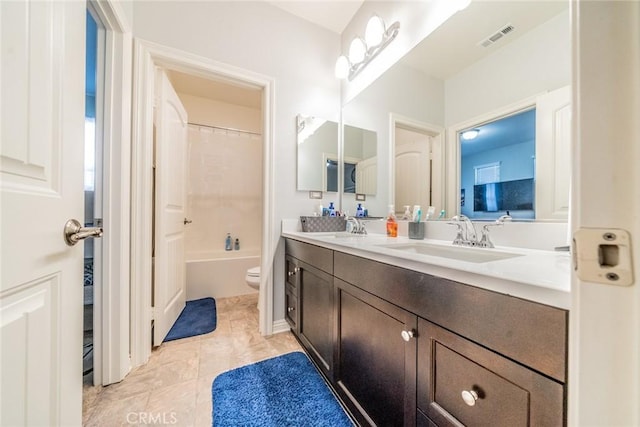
(357, 226)
(485, 241)
(466, 231)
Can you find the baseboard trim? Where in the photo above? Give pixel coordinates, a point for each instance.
(280, 326)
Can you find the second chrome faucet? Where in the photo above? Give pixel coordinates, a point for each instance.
(467, 234)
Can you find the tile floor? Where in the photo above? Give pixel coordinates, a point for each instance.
(174, 387)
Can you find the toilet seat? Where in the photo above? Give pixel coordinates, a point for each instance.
(253, 277)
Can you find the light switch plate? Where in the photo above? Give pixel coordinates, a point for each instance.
(603, 255)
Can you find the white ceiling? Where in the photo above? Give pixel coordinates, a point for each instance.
(455, 44)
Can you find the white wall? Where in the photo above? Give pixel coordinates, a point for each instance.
(537, 62)
(258, 37)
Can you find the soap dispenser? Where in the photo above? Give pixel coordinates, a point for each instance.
(227, 243)
(236, 245)
(359, 210)
(332, 209)
(392, 224)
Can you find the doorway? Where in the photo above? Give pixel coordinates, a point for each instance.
(93, 146)
(149, 56)
(416, 165)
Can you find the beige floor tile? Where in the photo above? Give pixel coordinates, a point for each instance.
(174, 387)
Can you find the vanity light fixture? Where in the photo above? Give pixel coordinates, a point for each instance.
(470, 134)
(361, 52)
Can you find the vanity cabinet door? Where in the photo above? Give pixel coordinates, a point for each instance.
(460, 382)
(375, 373)
(316, 315)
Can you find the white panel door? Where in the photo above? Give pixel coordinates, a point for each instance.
(413, 175)
(553, 154)
(170, 202)
(41, 186)
(367, 176)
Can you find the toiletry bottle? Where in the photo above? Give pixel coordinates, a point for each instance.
(392, 224)
(417, 213)
(236, 246)
(407, 213)
(332, 209)
(359, 210)
(227, 242)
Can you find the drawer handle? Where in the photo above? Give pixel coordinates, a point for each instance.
(290, 309)
(291, 273)
(407, 335)
(469, 397)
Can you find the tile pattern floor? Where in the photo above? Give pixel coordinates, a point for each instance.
(174, 386)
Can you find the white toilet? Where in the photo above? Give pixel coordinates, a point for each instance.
(253, 277)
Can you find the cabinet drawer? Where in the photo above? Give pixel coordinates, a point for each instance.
(321, 258)
(461, 382)
(291, 308)
(291, 273)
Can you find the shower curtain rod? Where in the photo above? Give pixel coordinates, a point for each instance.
(223, 128)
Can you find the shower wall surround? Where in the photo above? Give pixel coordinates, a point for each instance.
(224, 193)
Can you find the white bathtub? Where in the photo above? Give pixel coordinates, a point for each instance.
(219, 274)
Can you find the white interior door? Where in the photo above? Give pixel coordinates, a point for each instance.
(412, 171)
(170, 201)
(41, 168)
(553, 154)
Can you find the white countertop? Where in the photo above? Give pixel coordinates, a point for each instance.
(536, 275)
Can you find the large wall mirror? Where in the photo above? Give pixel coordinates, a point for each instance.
(490, 62)
(317, 141)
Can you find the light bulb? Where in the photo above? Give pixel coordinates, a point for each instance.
(374, 32)
(470, 134)
(342, 67)
(357, 51)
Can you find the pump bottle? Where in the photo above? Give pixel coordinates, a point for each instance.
(392, 224)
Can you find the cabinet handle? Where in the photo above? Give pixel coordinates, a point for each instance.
(469, 397)
(291, 273)
(407, 335)
(290, 309)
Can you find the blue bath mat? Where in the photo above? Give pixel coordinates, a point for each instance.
(197, 318)
(283, 391)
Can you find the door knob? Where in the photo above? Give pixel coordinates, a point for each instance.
(74, 232)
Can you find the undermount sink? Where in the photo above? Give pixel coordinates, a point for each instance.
(477, 255)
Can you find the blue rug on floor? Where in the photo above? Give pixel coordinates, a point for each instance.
(197, 318)
(283, 391)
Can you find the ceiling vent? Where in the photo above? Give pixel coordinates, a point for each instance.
(497, 35)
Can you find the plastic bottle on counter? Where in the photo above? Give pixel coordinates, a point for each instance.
(332, 209)
(227, 242)
(392, 224)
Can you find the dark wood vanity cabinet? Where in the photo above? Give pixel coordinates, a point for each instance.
(312, 301)
(401, 347)
(376, 358)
